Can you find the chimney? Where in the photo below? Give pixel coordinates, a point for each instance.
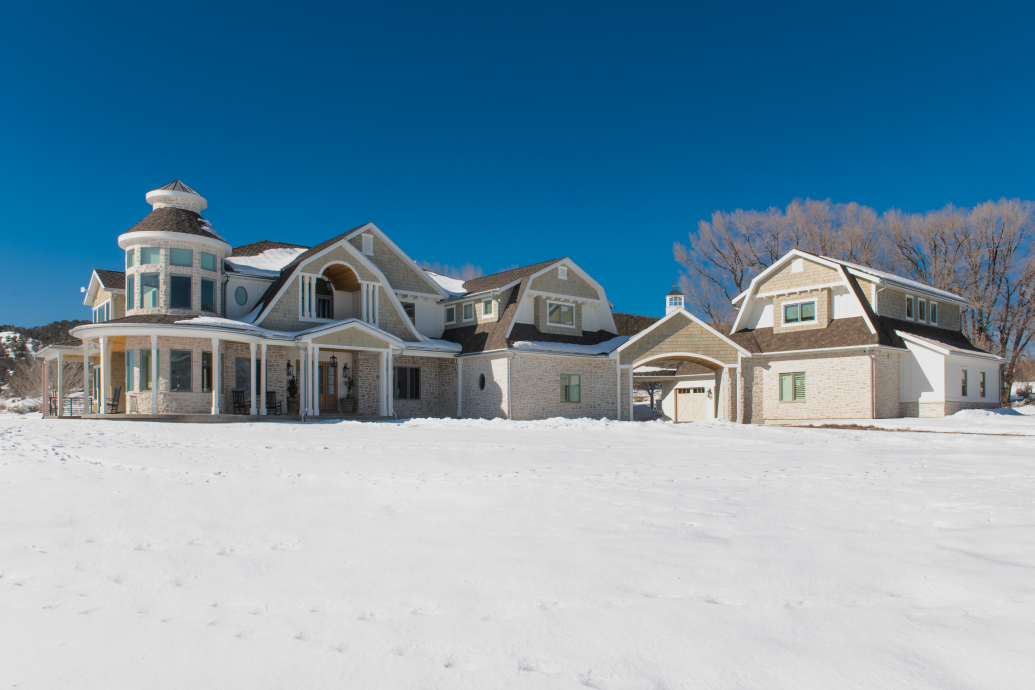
(673, 301)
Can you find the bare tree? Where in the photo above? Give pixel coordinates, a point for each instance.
(466, 272)
(648, 387)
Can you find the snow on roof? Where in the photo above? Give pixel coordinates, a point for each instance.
(599, 349)
(899, 280)
(267, 264)
(435, 345)
(454, 286)
(208, 227)
(645, 368)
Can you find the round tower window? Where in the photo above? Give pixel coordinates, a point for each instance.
(481, 382)
(241, 295)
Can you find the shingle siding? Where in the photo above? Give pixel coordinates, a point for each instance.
(401, 275)
(680, 334)
(812, 273)
(574, 286)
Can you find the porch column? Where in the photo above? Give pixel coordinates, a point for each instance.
(86, 376)
(316, 380)
(217, 375)
(630, 391)
(390, 396)
(459, 387)
(251, 378)
(154, 374)
(377, 296)
(103, 407)
(46, 389)
(383, 407)
(618, 388)
(60, 382)
(363, 299)
(262, 372)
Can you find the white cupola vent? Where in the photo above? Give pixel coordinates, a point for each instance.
(673, 301)
(177, 195)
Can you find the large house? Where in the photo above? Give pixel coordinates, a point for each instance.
(195, 327)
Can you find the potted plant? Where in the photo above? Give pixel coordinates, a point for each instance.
(348, 404)
(292, 391)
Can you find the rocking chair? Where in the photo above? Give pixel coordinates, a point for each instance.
(241, 405)
(272, 406)
(113, 405)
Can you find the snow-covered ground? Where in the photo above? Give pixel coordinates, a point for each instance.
(472, 554)
(1013, 421)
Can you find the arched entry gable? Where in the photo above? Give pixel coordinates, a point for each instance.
(681, 334)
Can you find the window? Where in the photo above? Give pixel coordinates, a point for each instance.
(468, 311)
(921, 310)
(481, 382)
(206, 372)
(407, 383)
(909, 307)
(149, 290)
(368, 245)
(450, 314)
(323, 307)
(800, 312)
(150, 255)
(130, 257)
(129, 371)
(560, 314)
(981, 384)
(181, 257)
(562, 272)
(242, 367)
(131, 294)
(241, 296)
(675, 301)
(145, 370)
(571, 388)
(963, 384)
(411, 311)
(179, 371)
(486, 307)
(208, 295)
(933, 313)
(102, 313)
(208, 262)
(179, 292)
(797, 265)
(792, 387)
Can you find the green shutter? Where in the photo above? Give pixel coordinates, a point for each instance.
(575, 388)
(786, 387)
(799, 386)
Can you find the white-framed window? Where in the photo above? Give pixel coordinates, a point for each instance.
(932, 313)
(130, 257)
(909, 307)
(558, 314)
(102, 313)
(797, 265)
(792, 387)
(921, 310)
(241, 295)
(675, 301)
(469, 311)
(368, 245)
(963, 383)
(486, 307)
(981, 385)
(797, 313)
(562, 272)
(450, 315)
(410, 309)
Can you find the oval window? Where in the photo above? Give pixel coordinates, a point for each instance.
(481, 382)
(241, 295)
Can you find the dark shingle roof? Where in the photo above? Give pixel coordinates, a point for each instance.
(938, 336)
(256, 248)
(498, 280)
(675, 292)
(177, 186)
(111, 280)
(840, 333)
(170, 219)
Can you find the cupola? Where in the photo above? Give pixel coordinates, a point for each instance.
(673, 301)
(176, 195)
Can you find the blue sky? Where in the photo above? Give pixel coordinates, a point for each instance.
(492, 133)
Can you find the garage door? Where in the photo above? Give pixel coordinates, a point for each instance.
(691, 404)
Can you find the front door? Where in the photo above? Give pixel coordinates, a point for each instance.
(691, 404)
(328, 391)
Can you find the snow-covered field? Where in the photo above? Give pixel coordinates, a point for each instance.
(470, 554)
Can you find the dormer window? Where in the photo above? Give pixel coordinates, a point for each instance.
(560, 314)
(921, 310)
(932, 314)
(450, 314)
(102, 313)
(562, 272)
(368, 245)
(909, 307)
(799, 312)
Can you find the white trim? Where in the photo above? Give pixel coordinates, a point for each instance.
(673, 355)
(562, 273)
(921, 318)
(378, 232)
(492, 309)
(449, 321)
(585, 276)
(933, 321)
(557, 297)
(807, 288)
(693, 318)
(473, 315)
(946, 349)
(367, 239)
(128, 239)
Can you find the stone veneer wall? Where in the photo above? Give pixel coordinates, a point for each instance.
(623, 390)
(837, 386)
(542, 318)
(165, 269)
(438, 387)
(492, 402)
(367, 375)
(537, 387)
(194, 402)
(886, 377)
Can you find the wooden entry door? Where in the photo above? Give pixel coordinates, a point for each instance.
(327, 377)
(691, 404)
